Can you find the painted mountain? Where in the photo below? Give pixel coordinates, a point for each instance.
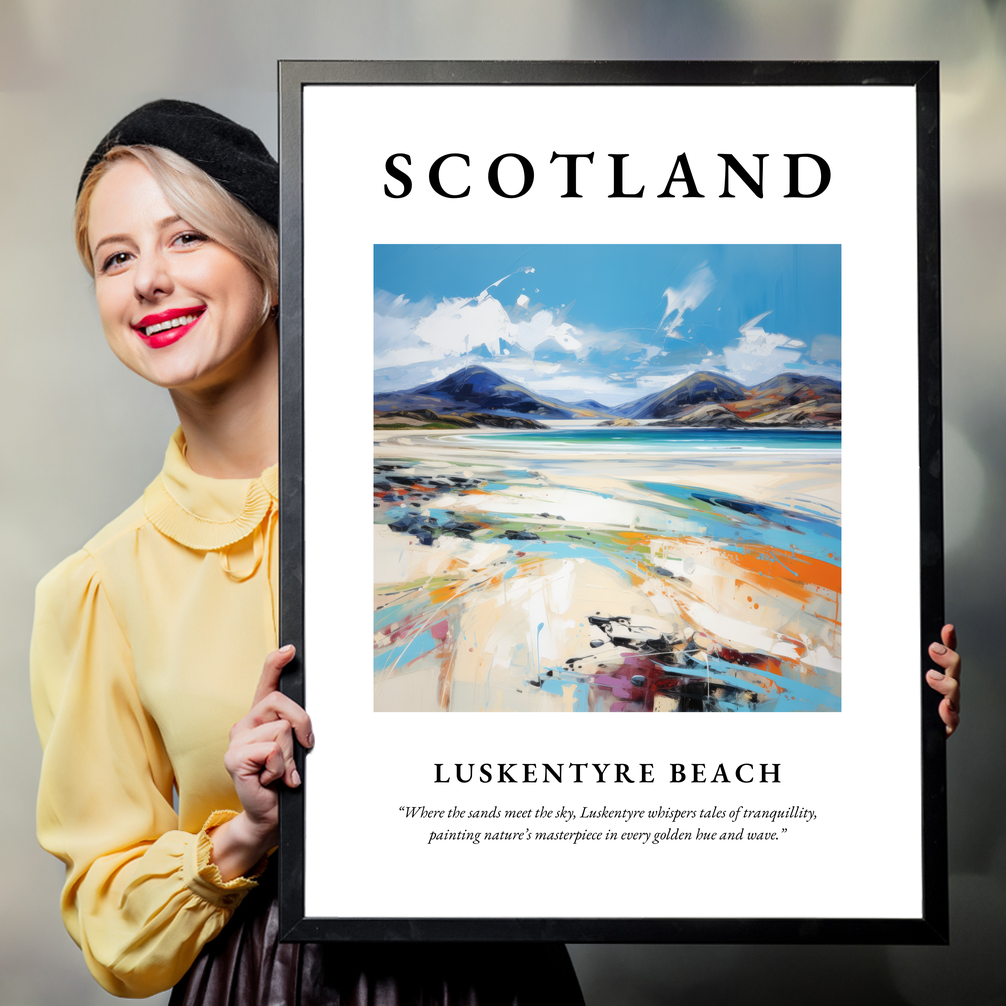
(701, 399)
(792, 400)
(681, 398)
(476, 388)
(704, 399)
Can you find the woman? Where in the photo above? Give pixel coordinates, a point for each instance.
(148, 643)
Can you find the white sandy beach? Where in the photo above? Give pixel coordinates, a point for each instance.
(510, 622)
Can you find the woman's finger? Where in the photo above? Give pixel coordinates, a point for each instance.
(950, 689)
(947, 681)
(271, 671)
(950, 716)
(277, 706)
(278, 732)
(945, 685)
(261, 760)
(273, 766)
(949, 636)
(948, 659)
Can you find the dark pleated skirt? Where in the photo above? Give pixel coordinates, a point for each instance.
(246, 965)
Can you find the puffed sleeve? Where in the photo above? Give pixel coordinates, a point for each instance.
(141, 898)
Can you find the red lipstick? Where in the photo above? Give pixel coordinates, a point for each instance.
(165, 333)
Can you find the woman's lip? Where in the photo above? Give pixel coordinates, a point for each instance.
(164, 331)
(170, 335)
(163, 316)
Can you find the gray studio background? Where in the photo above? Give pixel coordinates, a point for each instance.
(81, 436)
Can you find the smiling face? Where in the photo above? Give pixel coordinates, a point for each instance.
(177, 307)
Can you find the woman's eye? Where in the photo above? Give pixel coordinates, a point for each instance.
(114, 261)
(190, 238)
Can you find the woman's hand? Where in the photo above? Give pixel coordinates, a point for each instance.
(260, 753)
(948, 681)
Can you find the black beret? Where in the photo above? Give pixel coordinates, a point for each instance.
(230, 154)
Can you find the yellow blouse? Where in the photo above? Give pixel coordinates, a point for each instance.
(147, 647)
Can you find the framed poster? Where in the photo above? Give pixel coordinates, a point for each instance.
(612, 388)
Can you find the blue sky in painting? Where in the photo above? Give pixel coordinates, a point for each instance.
(605, 322)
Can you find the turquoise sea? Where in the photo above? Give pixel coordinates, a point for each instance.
(659, 440)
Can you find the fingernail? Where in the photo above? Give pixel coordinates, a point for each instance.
(938, 648)
(295, 777)
(310, 740)
(936, 676)
(287, 649)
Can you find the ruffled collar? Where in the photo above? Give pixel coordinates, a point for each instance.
(203, 513)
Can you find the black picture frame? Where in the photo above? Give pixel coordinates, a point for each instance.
(932, 925)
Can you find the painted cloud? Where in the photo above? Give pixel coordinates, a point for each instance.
(557, 338)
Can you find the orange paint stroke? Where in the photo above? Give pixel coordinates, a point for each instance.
(825, 618)
(788, 572)
(445, 593)
(636, 538)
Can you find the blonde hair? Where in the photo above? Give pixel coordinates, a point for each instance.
(199, 200)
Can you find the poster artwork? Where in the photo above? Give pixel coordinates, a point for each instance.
(607, 478)
(622, 333)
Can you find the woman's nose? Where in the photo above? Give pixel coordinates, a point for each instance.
(152, 277)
